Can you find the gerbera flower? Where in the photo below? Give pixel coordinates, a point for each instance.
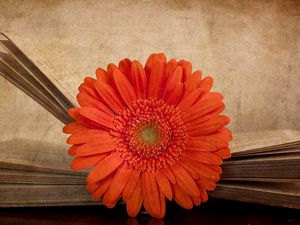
(149, 134)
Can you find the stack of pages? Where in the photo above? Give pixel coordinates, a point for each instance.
(264, 167)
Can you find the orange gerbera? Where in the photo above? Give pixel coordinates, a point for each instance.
(149, 133)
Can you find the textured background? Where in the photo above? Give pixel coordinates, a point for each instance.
(250, 47)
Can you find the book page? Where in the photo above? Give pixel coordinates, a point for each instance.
(284, 195)
(17, 176)
(36, 77)
(257, 72)
(11, 70)
(39, 156)
(247, 142)
(22, 117)
(45, 195)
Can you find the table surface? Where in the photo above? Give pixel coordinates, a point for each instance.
(213, 212)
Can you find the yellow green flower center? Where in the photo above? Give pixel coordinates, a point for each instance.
(150, 134)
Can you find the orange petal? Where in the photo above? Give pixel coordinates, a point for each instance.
(102, 75)
(187, 68)
(134, 204)
(155, 80)
(114, 204)
(86, 100)
(89, 81)
(204, 195)
(215, 140)
(125, 67)
(184, 180)
(147, 205)
(94, 149)
(131, 184)
(204, 157)
(199, 120)
(209, 126)
(200, 109)
(88, 91)
(206, 84)
(110, 68)
(223, 153)
(181, 197)
(89, 135)
(203, 170)
(212, 95)
(189, 170)
(210, 186)
(192, 82)
(109, 96)
(124, 87)
(218, 110)
(74, 113)
(199, 145)
(189, 100)
(93, 187)
(218, 169)
(163, 184)
(162, 57)
(169, 174)
(170, 68)
(115, 189)
(97, 116)
(139, 79)
(150, 62)
(226, 133)
(151, 194)
(105, 167)
(102, 188)
(196, 200)
(173, 80)
(80, 163)
(72, 150)
(73, 127)
(174, 98)
(162, 200)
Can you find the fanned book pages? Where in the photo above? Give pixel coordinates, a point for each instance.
(264, 167)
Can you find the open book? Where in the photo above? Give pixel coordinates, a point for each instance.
(34, 166)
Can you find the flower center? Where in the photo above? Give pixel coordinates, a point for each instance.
(149, 135)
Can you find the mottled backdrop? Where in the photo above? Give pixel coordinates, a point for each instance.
(250, 47)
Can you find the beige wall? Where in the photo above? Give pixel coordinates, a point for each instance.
(251, 48)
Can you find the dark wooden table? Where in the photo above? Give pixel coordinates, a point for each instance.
(212, 213)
